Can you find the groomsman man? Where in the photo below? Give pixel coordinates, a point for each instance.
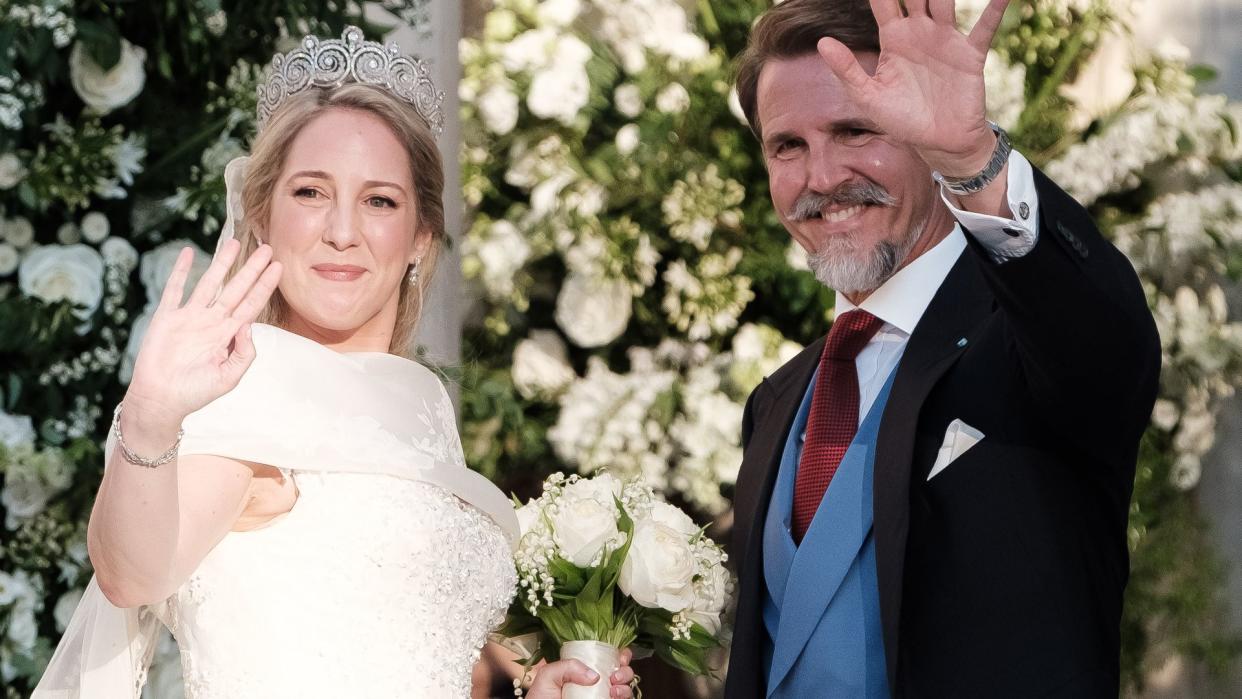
(933, 498)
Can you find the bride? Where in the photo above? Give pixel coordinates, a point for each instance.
(283, 489)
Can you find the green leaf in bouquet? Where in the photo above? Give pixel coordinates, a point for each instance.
(569, 578)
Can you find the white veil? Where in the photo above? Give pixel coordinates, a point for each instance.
(300, 407)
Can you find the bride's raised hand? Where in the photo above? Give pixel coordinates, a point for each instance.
(196, 352)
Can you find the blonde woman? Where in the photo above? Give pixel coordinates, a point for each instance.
(283, 489)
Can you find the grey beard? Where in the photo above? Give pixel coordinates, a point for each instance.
(840, 267)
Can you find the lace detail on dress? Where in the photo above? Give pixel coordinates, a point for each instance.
(372, 586)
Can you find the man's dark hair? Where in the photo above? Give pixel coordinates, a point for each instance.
(793, 29)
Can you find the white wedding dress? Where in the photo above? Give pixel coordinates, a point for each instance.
(382, 581)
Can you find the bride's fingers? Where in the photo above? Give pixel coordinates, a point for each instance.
(255, 300)
(209, 283)
(174, 288)
(245, 278)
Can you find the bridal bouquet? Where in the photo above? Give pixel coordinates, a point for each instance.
(604, 565)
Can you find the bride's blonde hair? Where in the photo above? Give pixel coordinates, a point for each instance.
(267, 160)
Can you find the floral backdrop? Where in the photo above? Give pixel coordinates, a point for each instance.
(633, 284)
(116, 121)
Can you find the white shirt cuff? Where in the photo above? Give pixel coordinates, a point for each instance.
(1006, 238)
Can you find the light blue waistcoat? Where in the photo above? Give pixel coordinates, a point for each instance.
(821, 603)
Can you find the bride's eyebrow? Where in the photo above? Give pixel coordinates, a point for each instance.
(317, 174)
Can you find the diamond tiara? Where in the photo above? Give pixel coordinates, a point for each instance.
(332, 63)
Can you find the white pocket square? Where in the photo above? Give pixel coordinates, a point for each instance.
(957, 440)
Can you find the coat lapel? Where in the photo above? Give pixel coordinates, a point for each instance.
(951, 322)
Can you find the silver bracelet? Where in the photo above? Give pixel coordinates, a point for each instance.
(971, 185)
(133, 458)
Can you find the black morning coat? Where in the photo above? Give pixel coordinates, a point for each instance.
(1003, 575)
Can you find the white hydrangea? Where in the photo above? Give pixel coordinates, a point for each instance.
(628, 100)
(701, 202)
(627, 139)
(593, 311)
(708, 300)
(708, 434)
(673, 99)
(496, 253)
(609, 420)
(541, 366)
(1155, 127)
(634, 28)
(498, 107)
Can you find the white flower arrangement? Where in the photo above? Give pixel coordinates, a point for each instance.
(106, 90)
(602, 559)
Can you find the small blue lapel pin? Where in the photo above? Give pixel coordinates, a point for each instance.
(961, 342)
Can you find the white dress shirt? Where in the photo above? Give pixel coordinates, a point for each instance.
(901, 301)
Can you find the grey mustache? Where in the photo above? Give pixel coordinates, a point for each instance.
(864, 192)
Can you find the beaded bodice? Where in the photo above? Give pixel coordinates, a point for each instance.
(372, 586)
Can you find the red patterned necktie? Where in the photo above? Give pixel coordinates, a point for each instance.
(834, 414)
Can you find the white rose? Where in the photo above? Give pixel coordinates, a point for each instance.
(24, 496)
(157, 264)
(674, 518)
(65, 607)
(103, 90)
(16, 430)
(18, 232)
(527, 516)
(9, 259)
(582, 527)
(558, 12)
(604, 487)
(23, 628)
(136, 332)
(627, 139)
(501, 253)
(628, 100)
(119, 253)
(559, 92)
(541, 365)
(593, 311)
(95, 227)
(673, 99)
(498, 106)
(11, 171)
(68, 234)
(659, 569)
(64, 272)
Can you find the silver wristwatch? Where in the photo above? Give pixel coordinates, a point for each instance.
(971, 185)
